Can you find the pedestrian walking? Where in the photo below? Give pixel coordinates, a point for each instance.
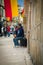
(2, 30)
(8, 31)
(5, 31)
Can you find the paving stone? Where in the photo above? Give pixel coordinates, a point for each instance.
(13, 56)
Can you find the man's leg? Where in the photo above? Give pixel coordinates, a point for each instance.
(16, 40)
(8, 34)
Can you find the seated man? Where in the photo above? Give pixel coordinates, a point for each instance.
(18, 35)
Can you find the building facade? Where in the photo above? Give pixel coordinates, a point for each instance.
(34, 22)
(2, 10)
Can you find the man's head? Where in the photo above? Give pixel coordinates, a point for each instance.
(19, 25)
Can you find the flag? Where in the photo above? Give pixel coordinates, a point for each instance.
(22, 13)
(11, 9)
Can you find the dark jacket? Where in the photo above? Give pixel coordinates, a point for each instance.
(20, 32)
(5, 30)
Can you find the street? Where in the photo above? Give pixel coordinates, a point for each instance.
(9, 55)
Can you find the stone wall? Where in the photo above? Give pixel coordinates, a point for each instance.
(26, 20)
(36, 32)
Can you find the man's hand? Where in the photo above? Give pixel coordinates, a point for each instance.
(14, 35)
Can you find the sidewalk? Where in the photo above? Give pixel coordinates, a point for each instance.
(13, 56)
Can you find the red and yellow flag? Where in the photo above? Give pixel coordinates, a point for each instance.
(11, 9)
(22, 13)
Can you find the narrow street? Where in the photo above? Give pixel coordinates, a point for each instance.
(12, 56)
